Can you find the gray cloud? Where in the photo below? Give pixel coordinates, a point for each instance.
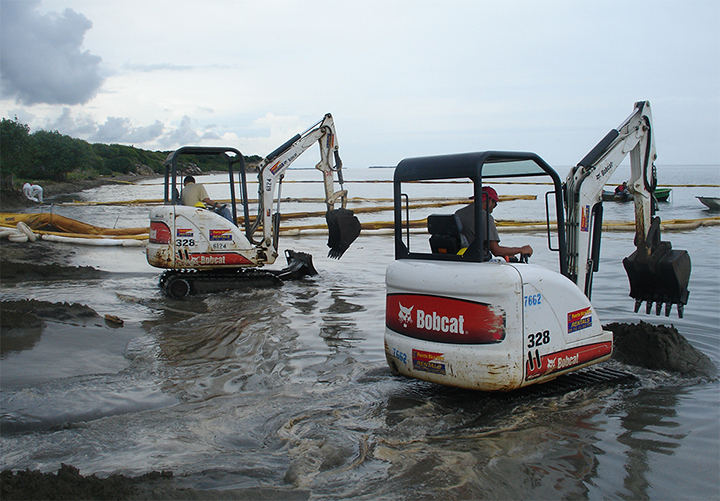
(120, 130)
(146, 68)
(184, 134)
(75, 127)
(41, 60)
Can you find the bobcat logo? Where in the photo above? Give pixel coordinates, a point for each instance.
(405, 315)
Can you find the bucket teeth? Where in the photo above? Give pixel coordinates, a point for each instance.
(661, 279)
(659, 307)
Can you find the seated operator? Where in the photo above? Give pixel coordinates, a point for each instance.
(195, 194)
(489, 202)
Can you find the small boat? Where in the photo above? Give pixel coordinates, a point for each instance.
(662, 194)
(712, 203)
(611, 196)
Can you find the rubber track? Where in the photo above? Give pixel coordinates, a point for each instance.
(572, 381)
(209, 281)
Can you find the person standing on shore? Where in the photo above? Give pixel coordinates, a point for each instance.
(33, 192)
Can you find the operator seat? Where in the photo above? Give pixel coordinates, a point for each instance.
(446, 234)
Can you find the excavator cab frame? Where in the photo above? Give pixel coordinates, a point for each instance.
(476, 167)
(172, 190)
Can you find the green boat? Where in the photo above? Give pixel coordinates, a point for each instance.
(662, 194)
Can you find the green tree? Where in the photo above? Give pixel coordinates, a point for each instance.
(16, 150)
(58, 155)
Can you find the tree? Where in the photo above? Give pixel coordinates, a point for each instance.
(15, 147)
(58, 155)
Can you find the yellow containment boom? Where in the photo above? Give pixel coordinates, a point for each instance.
(55, 223)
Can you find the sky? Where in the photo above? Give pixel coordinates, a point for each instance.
(402, 78)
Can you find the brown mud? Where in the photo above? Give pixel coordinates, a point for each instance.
(659, 347)
(68, 483)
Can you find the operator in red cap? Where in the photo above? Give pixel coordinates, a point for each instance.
(489, 202)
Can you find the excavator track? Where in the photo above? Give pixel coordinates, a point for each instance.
(182, 283)
(586, 378)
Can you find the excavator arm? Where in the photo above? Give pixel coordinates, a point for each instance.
(657, 274)
(343, 226)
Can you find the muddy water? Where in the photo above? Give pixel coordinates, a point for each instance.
(287, 389)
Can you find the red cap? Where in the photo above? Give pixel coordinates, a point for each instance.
(490, 192)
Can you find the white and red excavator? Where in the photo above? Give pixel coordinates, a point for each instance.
(205, 252)
(458, 319)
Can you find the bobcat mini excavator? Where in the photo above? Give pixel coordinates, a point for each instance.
(205, 252)
(461, 320)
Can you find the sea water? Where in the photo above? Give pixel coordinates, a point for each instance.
(287, 389)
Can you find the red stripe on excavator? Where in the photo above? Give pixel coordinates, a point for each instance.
(563, 360)
(444, 320)
(224, 259)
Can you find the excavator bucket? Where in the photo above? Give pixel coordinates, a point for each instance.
(343, 229)
(299, 264)
(661, 278)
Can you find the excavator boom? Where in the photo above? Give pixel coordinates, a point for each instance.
(657, 274)
(343, 226)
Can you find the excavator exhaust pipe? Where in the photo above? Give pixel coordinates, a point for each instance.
(660, 278)
(343, 229)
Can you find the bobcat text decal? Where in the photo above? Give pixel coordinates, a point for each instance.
(221, 259)
(444, 320)
(539, 365)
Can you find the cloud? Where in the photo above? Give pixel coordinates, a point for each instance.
(184, 134)
(146, 68)
(120, 130)
(75, 127)
(41, 60)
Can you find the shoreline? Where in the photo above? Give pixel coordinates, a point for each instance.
(11, 200)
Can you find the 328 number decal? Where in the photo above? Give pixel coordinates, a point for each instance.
(185, 242)
(538, 339)
(532, 300)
